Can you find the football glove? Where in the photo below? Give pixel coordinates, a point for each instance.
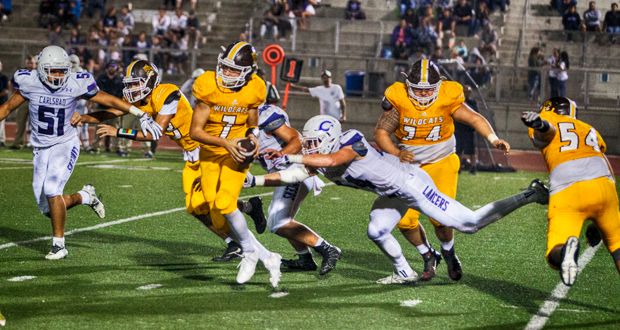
(250, 181)
(533, 120)
(150, 126)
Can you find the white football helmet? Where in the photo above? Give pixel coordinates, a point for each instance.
(197, 73)
(75, 62)
(423, 75)
(321, 133)
(54, 58)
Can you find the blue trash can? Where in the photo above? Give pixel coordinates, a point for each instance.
(355, 83)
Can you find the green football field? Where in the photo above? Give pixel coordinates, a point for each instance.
(154, 270)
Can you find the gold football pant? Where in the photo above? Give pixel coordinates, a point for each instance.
(568, 209)
(195, 201)
(445, 174)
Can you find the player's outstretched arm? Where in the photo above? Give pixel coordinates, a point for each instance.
(107, 130)
(15, 101)
(543, 131)
(388, 123)
(197, 133)
(469, 117)
(344, 155)
(281, 178)
(101, 116)
(290, 136)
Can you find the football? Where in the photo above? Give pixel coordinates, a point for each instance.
(249, 146)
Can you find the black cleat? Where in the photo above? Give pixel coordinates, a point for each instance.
(257, 214)
(331, 254)
(593, 235)
(232, 251)
(454, 265)
(432, 258)
(305, 262)
(541, 190)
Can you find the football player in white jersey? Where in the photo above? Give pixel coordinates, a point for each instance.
(347, 159)
(276, 139)
(54, 91)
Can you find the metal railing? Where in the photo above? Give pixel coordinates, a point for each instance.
(592, 49)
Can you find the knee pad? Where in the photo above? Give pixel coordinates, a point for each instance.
(376, 232)
(224, 203)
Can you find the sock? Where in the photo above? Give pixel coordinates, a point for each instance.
(246, 207)
(390, 247)
(494, 211)
(423, 249)
(228, 240)
(60, 241)
(447, 246)
(85, 197)
(304, 251)
(320, 241)
(263, 253)
(237, 223)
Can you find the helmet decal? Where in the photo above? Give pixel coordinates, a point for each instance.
(327, 128)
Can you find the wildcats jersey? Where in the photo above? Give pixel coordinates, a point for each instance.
(229, 109)
(575, 153)
(427, 132)
(270, 118)
(51, 110)
(167, 99)
(378, 172)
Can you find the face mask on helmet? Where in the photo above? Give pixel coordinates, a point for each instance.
(320, 135)
(422, 92)
(54, 67)
(137, 88)
(231, 75)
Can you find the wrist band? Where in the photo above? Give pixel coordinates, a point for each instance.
(127, 133)
(492, 138)
(259, 180)
(135, 111)
(295, 158)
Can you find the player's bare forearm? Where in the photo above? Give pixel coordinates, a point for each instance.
(547, 136)
(382, 138)
(290, 136)
(4, 92)
(469, 117)
(15, 101)
(101, 116)
(252, 120)
(343, 108)
(111, 101)
(340, 157)
(199, 121)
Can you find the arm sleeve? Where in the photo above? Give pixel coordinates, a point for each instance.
(171, 104)
(88, 85)
(312, 91)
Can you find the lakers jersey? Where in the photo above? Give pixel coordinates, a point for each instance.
(575, 153)
(229, 109)
(167, 99)
(427, 132)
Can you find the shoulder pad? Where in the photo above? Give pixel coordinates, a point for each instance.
(270, 117)
(274, 124)
(174, 96)
(386, 105)
(350, 137)
(21, 78)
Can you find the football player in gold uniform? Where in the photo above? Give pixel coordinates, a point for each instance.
(171, 110)
(226, 112)
(420, 114)
(581, 181)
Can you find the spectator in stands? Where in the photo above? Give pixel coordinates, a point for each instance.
(425, 37)
(533, 76)
(404, 5)
(122, 31)
(179, 55)
(178, 23)
(54, 35)
(93, 4)
(75, 38)
(445, 4)
(143, 44)
(446, 22)
(465, 135)
(354, 10)
(410, 17)
(161, 22)
(5, 9)
(437, 55)
(553, 77)
(299, 9)
(109, 20)
(169, 4)
(501, 3)
(76, 9)
(243, 37)
(159, 58)
(563, 65)
(193, 29)
(127, 18)
(479, 72)
(571, 22)
(461, 49)
(269, 24)
(612, 22)
(129, 54)
(46, 13)
(564, 5)
(591, 19)
(401, 40)
(488, 40)
(330, 96)
(463, 14)
(281, 10)
(460, 64)
(4, 96)
(417, 55)
(481, 17)
(428, 17)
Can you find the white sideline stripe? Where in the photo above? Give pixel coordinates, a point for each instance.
(538, 321)
(410, 303)
(21, 278)
(111, 223)
(148, 287)
(278, 295)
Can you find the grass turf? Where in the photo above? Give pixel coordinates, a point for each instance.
(506, 277)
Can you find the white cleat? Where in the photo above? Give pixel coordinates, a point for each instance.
(58, 252)
(273, 266)
(95, 203)
(247, 266)
(569, 268)
(397, 279)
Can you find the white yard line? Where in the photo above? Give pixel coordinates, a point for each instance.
(14, 161)
(548, 307)
(111, 223)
